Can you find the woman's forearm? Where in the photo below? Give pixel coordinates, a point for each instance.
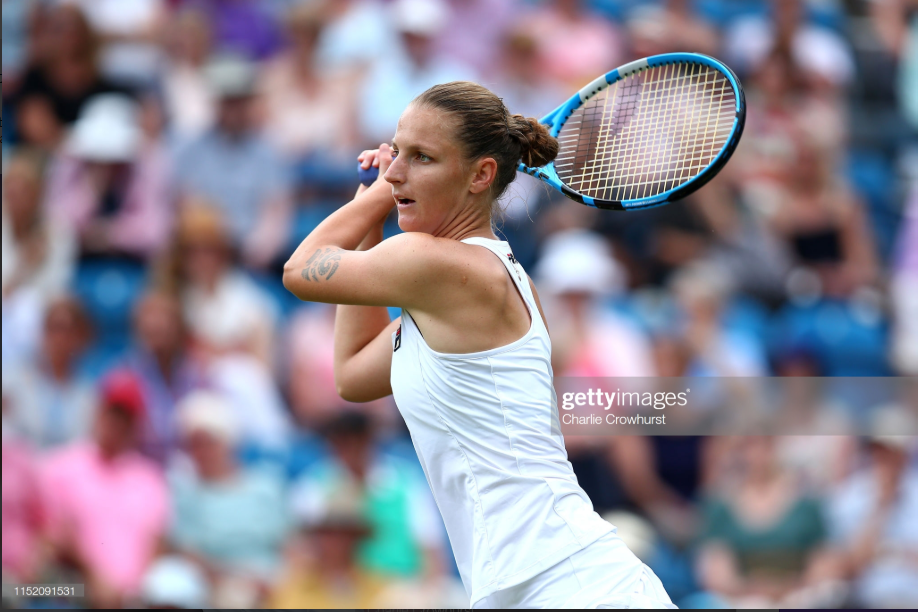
(346, 227)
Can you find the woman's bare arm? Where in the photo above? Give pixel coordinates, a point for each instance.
(409, 269)
(361, 374)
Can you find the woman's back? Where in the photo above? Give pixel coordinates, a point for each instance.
(485, 427)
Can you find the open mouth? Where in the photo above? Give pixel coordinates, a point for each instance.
(405, 201)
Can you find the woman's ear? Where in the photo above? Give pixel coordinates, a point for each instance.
(485, 173)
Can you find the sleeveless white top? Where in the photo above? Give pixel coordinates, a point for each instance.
(485, 428)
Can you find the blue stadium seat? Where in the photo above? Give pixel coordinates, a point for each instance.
(108, 289)
(845, 344)
(272, 283)
(872, 176)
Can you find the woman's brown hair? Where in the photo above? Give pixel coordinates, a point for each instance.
(485, 127)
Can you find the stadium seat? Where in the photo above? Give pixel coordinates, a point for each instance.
(873, 179)
(845, 343)
(108, 290)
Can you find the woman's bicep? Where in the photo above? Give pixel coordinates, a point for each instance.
(365, 376)
(396, 272)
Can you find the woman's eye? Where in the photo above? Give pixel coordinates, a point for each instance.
(423, 157)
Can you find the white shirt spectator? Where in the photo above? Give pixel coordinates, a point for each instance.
(132, 57)
(891, 579)
(817, 50)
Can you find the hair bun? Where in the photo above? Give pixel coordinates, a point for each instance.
(537, 145)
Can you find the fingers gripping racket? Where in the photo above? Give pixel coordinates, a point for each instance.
(645, 134)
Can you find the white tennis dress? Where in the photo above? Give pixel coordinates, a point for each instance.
(485, 428)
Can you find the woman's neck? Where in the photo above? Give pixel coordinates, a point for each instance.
(470, 222)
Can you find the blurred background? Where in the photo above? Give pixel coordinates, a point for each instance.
(171, 431)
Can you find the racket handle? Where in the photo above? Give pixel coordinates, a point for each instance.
(368, 176)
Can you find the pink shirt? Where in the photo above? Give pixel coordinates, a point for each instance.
(116, 510)
(22, 512)
(142, 224)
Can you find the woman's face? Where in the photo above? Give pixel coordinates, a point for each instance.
(204, 262)
(430, 177)
(159, 324)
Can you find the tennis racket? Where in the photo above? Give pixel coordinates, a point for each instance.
(643, 135)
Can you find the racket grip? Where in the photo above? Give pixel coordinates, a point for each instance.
(368, 176)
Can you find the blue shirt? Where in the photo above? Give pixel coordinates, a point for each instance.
(240, 176)
(240, 523)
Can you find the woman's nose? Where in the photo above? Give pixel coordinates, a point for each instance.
(396, 172)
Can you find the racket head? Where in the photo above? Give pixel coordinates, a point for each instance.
(647, 133)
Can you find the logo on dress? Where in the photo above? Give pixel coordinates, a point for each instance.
(398, 338)
(515, 263)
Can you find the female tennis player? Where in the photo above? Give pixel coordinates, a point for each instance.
(469, 360)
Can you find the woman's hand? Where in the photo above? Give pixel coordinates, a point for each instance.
(377, 158)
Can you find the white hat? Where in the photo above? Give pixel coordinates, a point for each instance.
(578, 261)
(174, 581)
(422, 17)
(106, 131)
(894, 426)
(702, 279)
(231, 76)
(208, 412)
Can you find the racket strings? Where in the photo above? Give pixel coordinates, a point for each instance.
(648, 133)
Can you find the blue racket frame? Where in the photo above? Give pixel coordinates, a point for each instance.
(555, 121)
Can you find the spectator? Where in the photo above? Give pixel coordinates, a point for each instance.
(231, 321)
(17, 16)
(702, 290)
(60, 80)
(820, 53)
(662, 476)
(824, 223)
(576, 271)
(38, 253)
(323, 568)
(309, 109)
(527, 88)
(574, 274)
(406, 530)
(172, 582)
(229, 519)
(670, 27)
(226, 312)
(762, 538)
(38, 250)
(410, 67)
(188, 100)
(905, 292)
(873, 516)
(575, 46)
(128, 30)
(107, 505)
(310, 371)
(51, 402)
(355, 32)
(476, 31)
(243, 27)
(235, 169)
(161, 359)
(782, 106)
(111, 185)
(23, 515)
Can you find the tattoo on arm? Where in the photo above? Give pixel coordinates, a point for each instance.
(322, 264)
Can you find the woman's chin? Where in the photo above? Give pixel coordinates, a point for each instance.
(407, 223)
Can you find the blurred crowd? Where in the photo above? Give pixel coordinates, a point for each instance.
(172, 435)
